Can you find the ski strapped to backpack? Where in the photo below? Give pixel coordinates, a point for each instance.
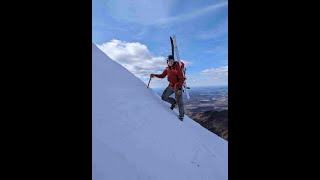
(174, 48)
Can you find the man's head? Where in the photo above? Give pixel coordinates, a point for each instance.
(170, 60)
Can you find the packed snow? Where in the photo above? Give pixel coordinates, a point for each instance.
(136, 136)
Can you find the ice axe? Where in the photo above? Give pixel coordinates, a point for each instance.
(149, 82)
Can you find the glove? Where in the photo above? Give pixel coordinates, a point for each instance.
(179, 92)
(152, 75)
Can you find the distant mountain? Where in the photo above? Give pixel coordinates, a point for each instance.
(214, 121)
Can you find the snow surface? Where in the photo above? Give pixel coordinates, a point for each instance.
(135, 135)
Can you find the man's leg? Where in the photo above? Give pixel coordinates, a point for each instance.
(166, 93)
(180, 104)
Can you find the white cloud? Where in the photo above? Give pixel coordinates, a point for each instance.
(156, 12)
(141, 34)
(193, 14)
(135, 57)
(209, 77)
(217, 73)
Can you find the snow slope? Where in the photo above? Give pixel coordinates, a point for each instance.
(135, 136)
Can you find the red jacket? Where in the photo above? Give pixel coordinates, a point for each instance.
(175, 76)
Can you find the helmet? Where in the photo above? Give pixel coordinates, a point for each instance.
(170, 57)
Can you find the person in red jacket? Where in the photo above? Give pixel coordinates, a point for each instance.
(176, 80)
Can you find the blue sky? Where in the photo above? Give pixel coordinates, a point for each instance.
(135, 33)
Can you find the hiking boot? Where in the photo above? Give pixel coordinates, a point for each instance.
(173, 105)
(181, 117)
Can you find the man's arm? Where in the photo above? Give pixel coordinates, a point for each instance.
(164, 73)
